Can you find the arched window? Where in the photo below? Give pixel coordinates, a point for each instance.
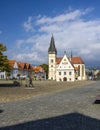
(51, 60)
(82, 70)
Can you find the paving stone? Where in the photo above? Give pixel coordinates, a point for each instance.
(71, 109)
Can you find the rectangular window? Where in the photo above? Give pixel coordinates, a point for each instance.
(70, 73)
(59, 73)
(64, 73)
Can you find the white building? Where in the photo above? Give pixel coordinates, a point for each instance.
(2, 74)
(19, 68)
(64, 68)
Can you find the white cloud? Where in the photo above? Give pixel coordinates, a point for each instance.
(61, 18)
(71, 30)
(28, 24)
(19, 43)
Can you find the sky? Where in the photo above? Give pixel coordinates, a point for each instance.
(26, 27)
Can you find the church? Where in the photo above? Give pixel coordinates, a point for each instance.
(64, 68)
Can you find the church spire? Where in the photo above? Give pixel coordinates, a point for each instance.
(71, 54)
(52, 48)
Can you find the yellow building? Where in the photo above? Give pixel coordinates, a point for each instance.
(64, 68)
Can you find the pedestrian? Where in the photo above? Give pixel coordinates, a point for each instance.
(30, 82)
(27, 82)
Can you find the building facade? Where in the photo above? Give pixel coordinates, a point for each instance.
(64, 68)
(38, 73)
(19, 69)
(23, 70)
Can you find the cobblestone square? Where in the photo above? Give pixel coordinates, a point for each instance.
(63, 109)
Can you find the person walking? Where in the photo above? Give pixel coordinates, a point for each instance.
(30, 82)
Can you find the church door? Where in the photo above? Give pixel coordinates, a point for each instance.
(64, 79)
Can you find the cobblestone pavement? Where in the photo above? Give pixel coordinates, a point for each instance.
(72, 109)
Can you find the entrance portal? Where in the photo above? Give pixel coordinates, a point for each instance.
(64, 79)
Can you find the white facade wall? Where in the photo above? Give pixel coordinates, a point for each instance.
(2, 75)
(65, 75)
(52, 67)
(14, 71)
(81, 72)
(65, 70)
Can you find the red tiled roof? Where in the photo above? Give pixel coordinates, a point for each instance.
(21, 65)
(58, 60)
(11, 63)
(37, 69)
(28, 66)
(77, 60)
(74, 60)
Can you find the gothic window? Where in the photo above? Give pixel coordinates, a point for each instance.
(51, 65)
(82, 70)
(79, 70)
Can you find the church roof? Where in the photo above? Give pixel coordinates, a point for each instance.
(77, 60)
(74, 60)
(52, 48)
(58, 60)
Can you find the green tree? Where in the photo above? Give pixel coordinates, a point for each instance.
(4, 63)
(45, 67)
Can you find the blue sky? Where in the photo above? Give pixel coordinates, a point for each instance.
(26, 27)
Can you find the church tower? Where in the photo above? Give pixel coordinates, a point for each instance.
(52, 53)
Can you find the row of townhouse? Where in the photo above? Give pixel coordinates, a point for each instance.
(19, 69)
(23, 70)
(38, 73)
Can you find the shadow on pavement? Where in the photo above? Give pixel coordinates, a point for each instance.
(72, 121)
(6, 85)
(97, 100)
(1, 111)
